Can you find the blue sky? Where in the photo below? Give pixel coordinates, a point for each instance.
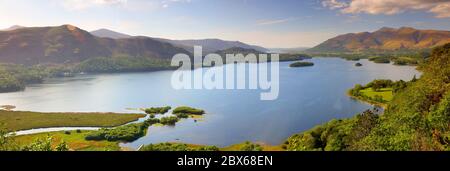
(269, 23)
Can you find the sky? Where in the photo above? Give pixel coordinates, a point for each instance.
(268, 23)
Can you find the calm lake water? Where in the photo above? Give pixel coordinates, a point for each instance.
(308, 96)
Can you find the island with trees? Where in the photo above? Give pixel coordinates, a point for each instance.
(301, 64)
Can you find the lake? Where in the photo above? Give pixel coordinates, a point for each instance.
(308, 96)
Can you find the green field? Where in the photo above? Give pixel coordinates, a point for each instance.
(18, 120)
(76, 141)
(386, 93)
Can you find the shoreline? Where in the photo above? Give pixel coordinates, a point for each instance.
(370, 102)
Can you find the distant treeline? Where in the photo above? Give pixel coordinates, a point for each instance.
(14, 77)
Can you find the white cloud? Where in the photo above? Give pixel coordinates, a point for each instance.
(168, 3)
(128, 4)
(84, 4)
(334, 4)
(440, 8)
(271, 22)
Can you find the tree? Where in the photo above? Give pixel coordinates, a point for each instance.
(6, 142)
(248, 146)
(62, 146)
(40, 145)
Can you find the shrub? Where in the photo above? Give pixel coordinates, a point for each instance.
(248, 146)
(166, 147)
(208, 148)
(126, 133)
(158, 110)
(168, 120)
(182, 115)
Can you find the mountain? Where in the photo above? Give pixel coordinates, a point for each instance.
(69, 44)
(212, 45)
(14, 27)
(105, 33)
(386, 39)
(209, 45)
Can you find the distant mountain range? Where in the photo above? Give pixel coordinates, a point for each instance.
(384, 40)
(69, 44)
(208, 45)
(212, 45)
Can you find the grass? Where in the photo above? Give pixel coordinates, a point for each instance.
(18, 120)
(386, 93)
(74, 140)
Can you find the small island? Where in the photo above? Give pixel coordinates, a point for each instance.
(358, 64)
(186, 112)
(301, 64)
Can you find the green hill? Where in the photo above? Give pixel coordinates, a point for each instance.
(418, 118)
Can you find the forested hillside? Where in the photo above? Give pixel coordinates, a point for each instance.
(418, 118)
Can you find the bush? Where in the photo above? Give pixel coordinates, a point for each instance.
(182, 115)
(176, 147)
(158, 110)
(126, 133)
(172, 120)
(151, 121)
(248, 146)
(166, 147)
(208, 148)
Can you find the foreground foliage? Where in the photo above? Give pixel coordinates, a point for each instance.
(418, 118)
(9, 143)
(177, 147)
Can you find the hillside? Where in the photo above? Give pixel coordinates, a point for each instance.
(105, 33)
(417, 119)
(209, 45)
(69, 44)
(212, 45)
(14, 27)
(404, 39)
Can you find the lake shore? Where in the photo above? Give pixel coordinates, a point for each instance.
(370, 102)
